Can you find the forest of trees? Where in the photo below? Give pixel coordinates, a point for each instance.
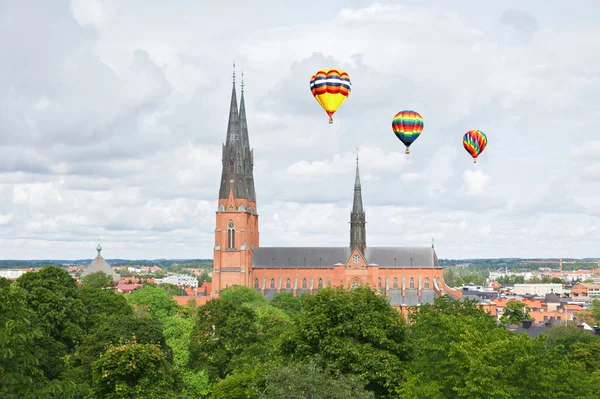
(61, 339)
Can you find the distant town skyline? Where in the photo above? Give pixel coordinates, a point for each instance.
(112, 118)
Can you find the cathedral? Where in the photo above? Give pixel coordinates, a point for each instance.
(407, 276)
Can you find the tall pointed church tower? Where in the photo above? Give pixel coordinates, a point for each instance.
(358, 233)
(236, 231)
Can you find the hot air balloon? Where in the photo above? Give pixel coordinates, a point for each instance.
(474, 142)
(407, 126)
(330, 88)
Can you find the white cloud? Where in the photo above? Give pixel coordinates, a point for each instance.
(474, 182)
(112, 123)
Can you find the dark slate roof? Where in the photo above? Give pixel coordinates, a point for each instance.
(316, 257)
(384, 257)
(552, 298)
(284, 257)
(533, 331)
(100, 265)
(428, 295)
(412, 297)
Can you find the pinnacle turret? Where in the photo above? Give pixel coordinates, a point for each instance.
(358, 234)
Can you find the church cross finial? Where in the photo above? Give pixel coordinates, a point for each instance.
(357, 155)
(233, 72)
(242, 81)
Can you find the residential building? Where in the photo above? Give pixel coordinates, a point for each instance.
(180, 280)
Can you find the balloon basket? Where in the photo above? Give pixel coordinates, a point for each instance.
(407, 151)
(474, 160)
(330, 120)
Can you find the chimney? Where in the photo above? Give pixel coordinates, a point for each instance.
(527, 323)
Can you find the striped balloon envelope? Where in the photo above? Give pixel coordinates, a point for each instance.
(407, 126)
(330, 88)
(474, 142)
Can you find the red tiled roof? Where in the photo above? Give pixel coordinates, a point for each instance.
(127, 287)
(199, 300)
(205, 288)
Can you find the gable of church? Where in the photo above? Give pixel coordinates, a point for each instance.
(356, 260)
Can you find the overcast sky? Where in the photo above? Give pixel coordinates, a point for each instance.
(112, 115)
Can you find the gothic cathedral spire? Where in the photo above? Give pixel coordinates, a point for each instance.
(238, 162)
(358, 234)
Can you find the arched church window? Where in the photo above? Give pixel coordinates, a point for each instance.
(272, 284)
(395, 283)
(355, 284)
(379, 283)
(288, 284)
(303, 283)
(412, 283)
(231, 235)
(256, 283)
(320, 284)
(426, 282)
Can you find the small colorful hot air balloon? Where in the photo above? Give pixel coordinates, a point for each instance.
(407, 126)
(474, 142)
(330, 88)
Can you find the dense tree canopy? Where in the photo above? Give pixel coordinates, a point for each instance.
(59, 339)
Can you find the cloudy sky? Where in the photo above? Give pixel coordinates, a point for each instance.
(112, 115)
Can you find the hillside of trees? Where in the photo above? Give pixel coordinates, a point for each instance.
(166, 264)
(59, 339)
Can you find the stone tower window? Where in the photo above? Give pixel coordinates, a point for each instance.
(320, 284)
(379, 283)
(256, 283)
(231, 235)
(395, 284)
(272, 283)
(426, 282)
(412, 283)
(303, 283)
(288, 284)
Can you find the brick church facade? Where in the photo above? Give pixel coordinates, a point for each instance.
(407, 276)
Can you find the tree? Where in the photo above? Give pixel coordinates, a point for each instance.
(111, 331)
(356, 332)
(18, 363)
(310, 381)
(132, 370)
(223, 328)
(556, 280)
(101, 303)
(290, 304)
(515, 312)
(565, 336)
(458, 351)
(244, 295)
(593, 312)
(432, 329)
(98, 280)
(154, 301)
(52, 295)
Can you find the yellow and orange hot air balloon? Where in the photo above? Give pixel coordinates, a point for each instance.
(330, 88)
